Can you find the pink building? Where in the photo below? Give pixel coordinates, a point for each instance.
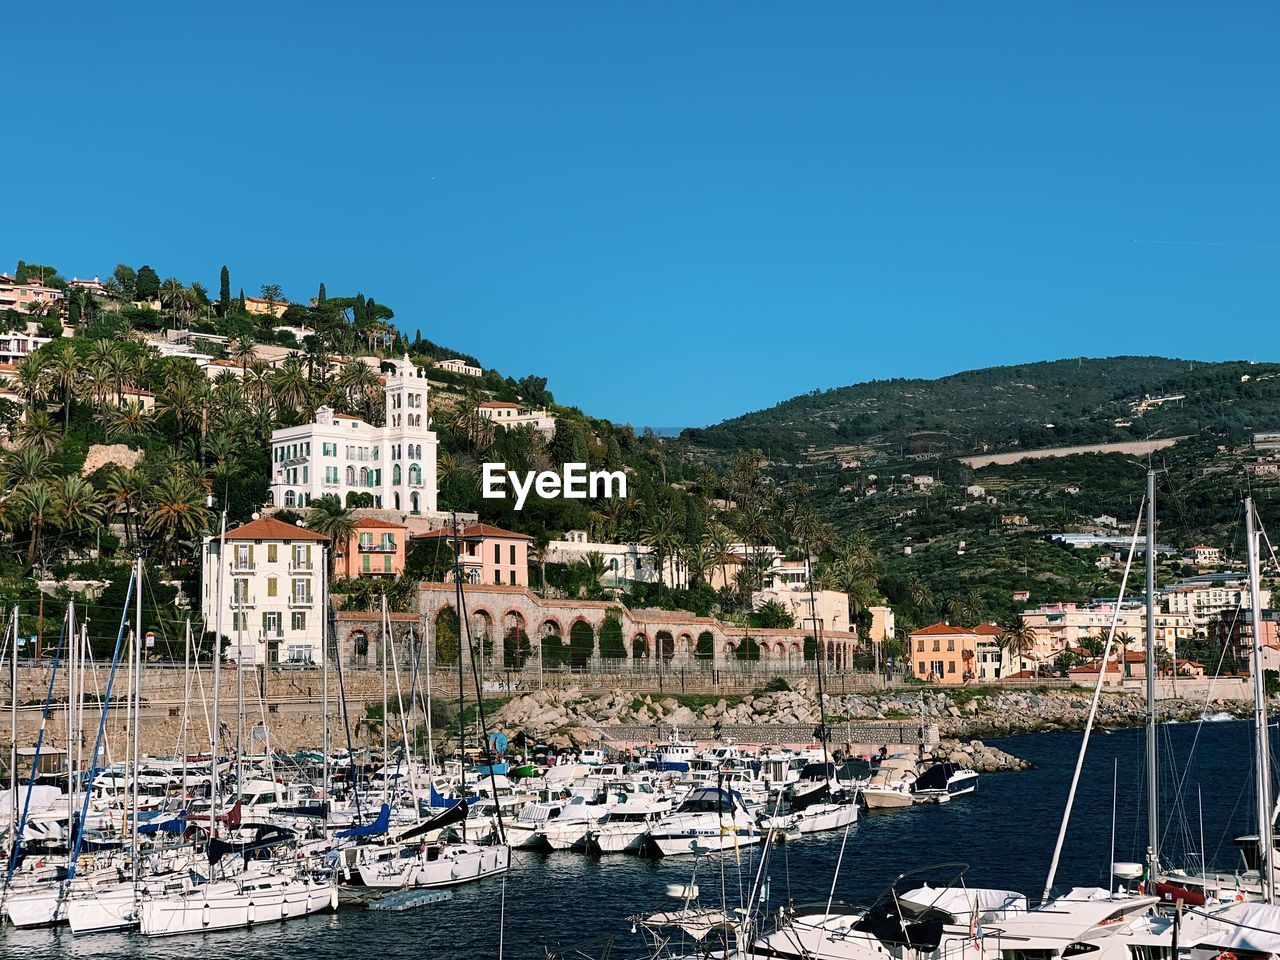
(488, 554)
(23, 296)
(376, 549)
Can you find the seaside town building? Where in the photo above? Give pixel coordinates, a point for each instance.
(486, 554)
(624, 562)
(942, 653)
(339, 454)
(376, 548)
(512, 415)
(459, 366)
(269, 583)
(24, 296)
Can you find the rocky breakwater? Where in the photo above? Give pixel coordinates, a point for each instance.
(977, 755)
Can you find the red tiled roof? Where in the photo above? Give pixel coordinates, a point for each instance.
(938, 630)
(269, 528)
(988, 630)
(495, 404)
(474, 530)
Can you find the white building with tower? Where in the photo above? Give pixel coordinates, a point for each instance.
(392, 467)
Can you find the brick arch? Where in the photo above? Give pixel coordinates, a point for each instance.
(641, 638)
(542, 627)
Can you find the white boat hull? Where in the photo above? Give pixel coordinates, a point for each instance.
(466, 866)
(619, 837)
(227, 905)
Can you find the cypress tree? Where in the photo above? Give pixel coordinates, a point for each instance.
(240, 302)
(321, 298)
(224, 292)
(20, 275)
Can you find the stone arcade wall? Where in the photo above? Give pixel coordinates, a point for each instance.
(506, 614)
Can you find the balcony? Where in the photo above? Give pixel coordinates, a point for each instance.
(300, 566)
(300, 603)
(243, 603)
(239, 565)
(377, 548)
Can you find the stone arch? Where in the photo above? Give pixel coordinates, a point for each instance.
(447, 635)
(665, 645)
(482, 633)
(639, 646)
(359, 645)
(684, 644)
(582, 643)
(705, 648)
(515, 640)
(553, 647)
(612, 643)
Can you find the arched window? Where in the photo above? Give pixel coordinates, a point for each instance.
(366, 478)
(415, 475)
(413, 504)
(351, 476)
(289, 498)
(395, 474)
(396, 500)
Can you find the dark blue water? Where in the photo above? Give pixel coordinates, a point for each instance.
(1005, 833)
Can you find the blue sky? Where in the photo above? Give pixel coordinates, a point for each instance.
(678, 212)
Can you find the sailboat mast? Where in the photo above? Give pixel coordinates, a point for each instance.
(1153, 772)
(13, 720)
(217, 676)
(137, 715)
(1266, 843)
(73, 637)
(324, 683)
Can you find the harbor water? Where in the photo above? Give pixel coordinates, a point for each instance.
(1005, 833)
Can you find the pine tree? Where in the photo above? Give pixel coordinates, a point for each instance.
(224, 292)
(147, 286)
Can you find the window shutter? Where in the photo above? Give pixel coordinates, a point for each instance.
(308, 554)
(251, 554)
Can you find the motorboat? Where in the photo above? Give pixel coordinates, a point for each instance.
(890, 785)
(944, 779)
(709, 819)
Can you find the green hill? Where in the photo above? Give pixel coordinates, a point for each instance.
(1057, 403)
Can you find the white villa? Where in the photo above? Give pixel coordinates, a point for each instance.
(509, 415)
(342, 455)
(460, 366)
(270, 583)
(624, 562)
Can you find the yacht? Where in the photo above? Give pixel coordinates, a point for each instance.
(709, 819)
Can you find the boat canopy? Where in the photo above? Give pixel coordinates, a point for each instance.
(378, 826)
(1253, 927)
(961, 902)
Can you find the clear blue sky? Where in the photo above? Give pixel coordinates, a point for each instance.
(677, 211)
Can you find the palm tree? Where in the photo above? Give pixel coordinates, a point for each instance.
(79, 505)
(25, 465)
(241, 351)
(329, 517)
(38, 430)
(176, 511)
(65, 373)
(290, 386)
(31, 378)
(1017, 637)
(34, 508)
(1124, 639)
(361, 390)
(920, 593)
(126, 493)
(129, 420)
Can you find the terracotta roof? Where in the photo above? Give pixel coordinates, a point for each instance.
(269, 528)
(938, 630)
(988, 630)
(375, 522)
(474, 530)
(496, 404)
